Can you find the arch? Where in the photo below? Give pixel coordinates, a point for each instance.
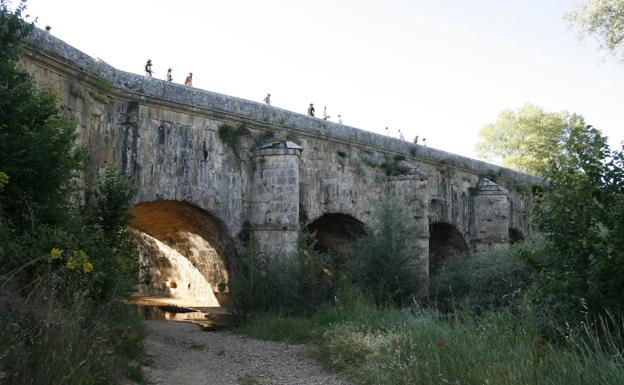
(334, 231)
(515, 236)
(185, 252)
(444, 241)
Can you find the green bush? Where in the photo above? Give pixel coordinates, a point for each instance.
(383, 261)
(284, 283)
(65, 269)
(496, 279)
(581, 213)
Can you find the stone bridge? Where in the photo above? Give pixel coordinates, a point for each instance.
(210, 167)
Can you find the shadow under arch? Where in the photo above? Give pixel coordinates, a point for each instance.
(334, 231)
(444, 241)
(185, 252)
(515, 236)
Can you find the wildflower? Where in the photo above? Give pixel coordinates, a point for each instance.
(441, 343)
(82, 255)
(87, 267)
(55, 253)
(72, 264)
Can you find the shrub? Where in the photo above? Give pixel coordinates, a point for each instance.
(284, 283)
(581, 213)
(382, 262)
(496, 279)
(65, 269)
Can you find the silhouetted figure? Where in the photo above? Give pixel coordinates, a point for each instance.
(339, 119)
(425, 142)
(48, 28)
(311, 109)
(325, 116)
(387, 131)
(267, 99)
(148, 68)
(169, 76)
(189, 80)
(416, 139)
(401, 135)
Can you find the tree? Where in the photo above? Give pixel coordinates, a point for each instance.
(581, 213)
(382, 262)
(605, 20)
(524, 139)
(37, 150)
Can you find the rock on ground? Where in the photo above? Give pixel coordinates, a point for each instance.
(184, 354)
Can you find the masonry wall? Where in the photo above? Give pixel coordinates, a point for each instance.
(166, 136)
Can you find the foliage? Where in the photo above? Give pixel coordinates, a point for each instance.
(389, 346)
(604, 19)
(285, 283)
(113, 196)
(231, 137)
(104, 85)
(65, 269)
(524, 139)
(36, 143)
(581, 213)
(498, 279)
(383, 261)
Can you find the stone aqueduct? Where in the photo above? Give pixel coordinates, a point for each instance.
(197, 193)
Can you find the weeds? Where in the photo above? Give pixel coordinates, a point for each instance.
(422, 346)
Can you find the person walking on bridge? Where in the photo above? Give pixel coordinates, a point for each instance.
(189, 80)
(311, 109)
(169, 76)
(148, 68)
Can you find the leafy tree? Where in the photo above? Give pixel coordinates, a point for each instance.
(603, 19)
(524, 139)
(581, 213)
(36, 143)
(382, 261)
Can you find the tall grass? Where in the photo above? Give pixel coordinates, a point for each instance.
(423, 346)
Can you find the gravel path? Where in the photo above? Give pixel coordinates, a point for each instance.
(184, 354)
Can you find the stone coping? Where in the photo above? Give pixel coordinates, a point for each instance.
(45, 43)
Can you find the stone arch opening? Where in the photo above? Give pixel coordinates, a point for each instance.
(185, 253)
(515, 236)
(334, 231)
(444, 241)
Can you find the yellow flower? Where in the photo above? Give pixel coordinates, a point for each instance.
(87, 267)
(82, 255)
(55, 253)
(72, 264)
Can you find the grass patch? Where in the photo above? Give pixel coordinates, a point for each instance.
(103, 86)
(423, 346)
(248, 379)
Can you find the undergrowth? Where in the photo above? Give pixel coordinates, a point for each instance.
(423, 346)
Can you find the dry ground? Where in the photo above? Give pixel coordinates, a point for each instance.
(183, 354)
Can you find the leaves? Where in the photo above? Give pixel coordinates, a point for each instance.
(603, 19)
(523, 139)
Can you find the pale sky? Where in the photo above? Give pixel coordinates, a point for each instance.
(438, 69)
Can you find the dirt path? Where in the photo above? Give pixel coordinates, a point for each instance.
(183, 354)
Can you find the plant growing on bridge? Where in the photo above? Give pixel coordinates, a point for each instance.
(232, 136)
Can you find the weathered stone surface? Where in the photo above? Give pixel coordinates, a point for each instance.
(166, 136)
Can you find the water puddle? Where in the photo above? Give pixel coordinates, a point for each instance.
(207, 319)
